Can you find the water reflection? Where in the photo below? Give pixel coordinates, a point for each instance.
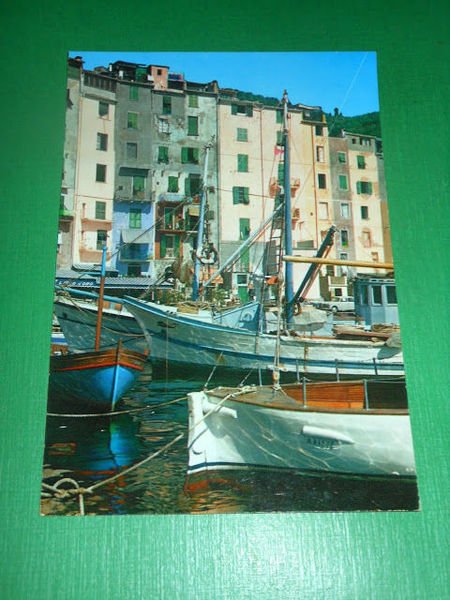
(93, 449)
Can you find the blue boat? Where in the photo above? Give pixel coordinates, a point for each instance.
(99, 378)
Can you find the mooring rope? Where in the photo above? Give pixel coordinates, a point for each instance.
(117, 412)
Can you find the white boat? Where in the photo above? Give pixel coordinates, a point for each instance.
(347, 428)
(183, 340)
(180, 339)
(78, 318)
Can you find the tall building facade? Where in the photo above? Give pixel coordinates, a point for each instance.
(144, 145)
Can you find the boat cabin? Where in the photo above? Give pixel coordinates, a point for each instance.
(376, 300)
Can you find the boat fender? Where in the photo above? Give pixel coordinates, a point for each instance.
(326, 434)
(210, 407)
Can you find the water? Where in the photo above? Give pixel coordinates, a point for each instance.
(91, 450)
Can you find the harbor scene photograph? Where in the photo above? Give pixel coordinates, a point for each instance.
(226, 332)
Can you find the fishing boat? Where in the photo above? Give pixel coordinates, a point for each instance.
(183, 340)
(350, 428)
(98, 378)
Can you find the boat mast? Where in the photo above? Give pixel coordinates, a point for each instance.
(100, 300)
(288, 283)
(201, 223)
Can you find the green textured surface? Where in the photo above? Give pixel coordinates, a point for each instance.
(283, 556)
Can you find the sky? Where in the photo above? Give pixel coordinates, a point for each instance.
(344, 80)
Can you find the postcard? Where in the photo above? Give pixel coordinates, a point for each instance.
(226, 333)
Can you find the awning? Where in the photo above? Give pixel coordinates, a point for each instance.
(136, 236)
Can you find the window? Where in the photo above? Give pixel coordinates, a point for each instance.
(391, 294)
(364, 141)
(323, 210)
(100, 210)
(242, 109)
(344, 237)
(189, 155)
(364, 294)
(192, 184)
(169, 246)
(172, 185)
(193, 101)
(279, 116)
(163, 154)
(100, 174)
(131, 150)
(319, 129)
(134, 92)
(135, 218)
(375, 256)
(102, 141)
(103, 109)
(364, 212)
(192, 125)
(343, 256)
(343, 183)
(342, 157)
(320, 153)
(242, 134)
(322, 181)
(101, 239)
(167, 105)
(132, 120)
(242, 163)
(361, 162)
(376, 294)
(366, 239)
(163, 126)
(244, 229)
(280, 138)
(134, 270)
(364, 187)
(345, 210)
(138, 186)
(240, 195)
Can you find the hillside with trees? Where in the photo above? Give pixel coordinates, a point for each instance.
(368, 124)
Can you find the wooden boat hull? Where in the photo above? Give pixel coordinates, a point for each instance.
(185, 341)
(98, 379)
(78, 321)
(259, 427)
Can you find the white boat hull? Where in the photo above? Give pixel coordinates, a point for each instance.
(185, 341)
(231, 434)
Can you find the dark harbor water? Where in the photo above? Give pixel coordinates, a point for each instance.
(92, 450)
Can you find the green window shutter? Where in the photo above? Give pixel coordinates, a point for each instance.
(162, 246)
(195, 154)
(173, 184)
(132, 121)
(192, 126)
(369, 187)
(167, 105)
(177, 245)
(245, 195)
(100, 210)
(342, 157)
(244, 229)
(235, 195)
(281, 173)
(249, 111)
(242, 163)
(280, 138)
(184, 155)
(234, 109)
(358, 187)
(242, 134)
(279, 116)
(134, 92)
(187, 186)
(361, 162)
(163, 154)
(343, 182)
(193, 101)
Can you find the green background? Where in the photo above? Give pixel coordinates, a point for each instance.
(297, 555)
